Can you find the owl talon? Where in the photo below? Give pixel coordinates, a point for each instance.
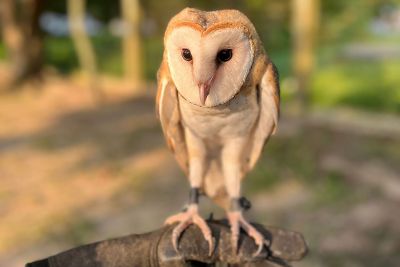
(176, 233)
(186, 218)
(260, 247)
(237, 221)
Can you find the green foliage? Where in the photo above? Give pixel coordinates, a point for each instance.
(108, 49)
(343, 20)
(60, 52)
(103, 10)
(368, 85)
(152, 56)
(2, 51)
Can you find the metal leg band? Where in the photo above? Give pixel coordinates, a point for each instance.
(241, 203)
(194, 195)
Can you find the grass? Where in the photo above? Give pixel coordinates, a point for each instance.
(284, 159)
(299, 158)
(331, 189)
(74, 230)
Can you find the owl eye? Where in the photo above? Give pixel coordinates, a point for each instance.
(186, 54)
(224, 55)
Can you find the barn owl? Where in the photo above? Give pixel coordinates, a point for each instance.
(218, 103)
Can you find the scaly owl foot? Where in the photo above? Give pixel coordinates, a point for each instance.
(237, 221)
(186, 218)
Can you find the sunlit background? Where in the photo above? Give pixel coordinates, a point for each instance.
(82, 156)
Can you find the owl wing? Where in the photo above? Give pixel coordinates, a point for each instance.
(268, 99)
(167, 105)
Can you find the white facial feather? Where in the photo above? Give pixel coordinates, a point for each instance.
(228, 77)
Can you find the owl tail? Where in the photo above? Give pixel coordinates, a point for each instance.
(214, 184)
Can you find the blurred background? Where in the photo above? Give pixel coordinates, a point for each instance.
(82, 156)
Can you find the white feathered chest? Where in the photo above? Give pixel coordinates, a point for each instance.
(235, 118)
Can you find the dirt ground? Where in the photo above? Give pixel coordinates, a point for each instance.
(74, 172)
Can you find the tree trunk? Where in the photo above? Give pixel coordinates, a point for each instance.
(305, 17)
(22, 38)
(83, 46)
(131, 43)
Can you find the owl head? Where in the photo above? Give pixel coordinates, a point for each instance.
(210, 54)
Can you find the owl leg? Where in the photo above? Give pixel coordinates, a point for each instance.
(231, 163)
(191, 215)
(237, 221)
(188, 217)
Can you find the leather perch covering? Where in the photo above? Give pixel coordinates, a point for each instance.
(155, 249)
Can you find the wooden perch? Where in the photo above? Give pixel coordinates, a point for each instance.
(155, 249)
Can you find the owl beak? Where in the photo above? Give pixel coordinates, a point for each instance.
(204, 90)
